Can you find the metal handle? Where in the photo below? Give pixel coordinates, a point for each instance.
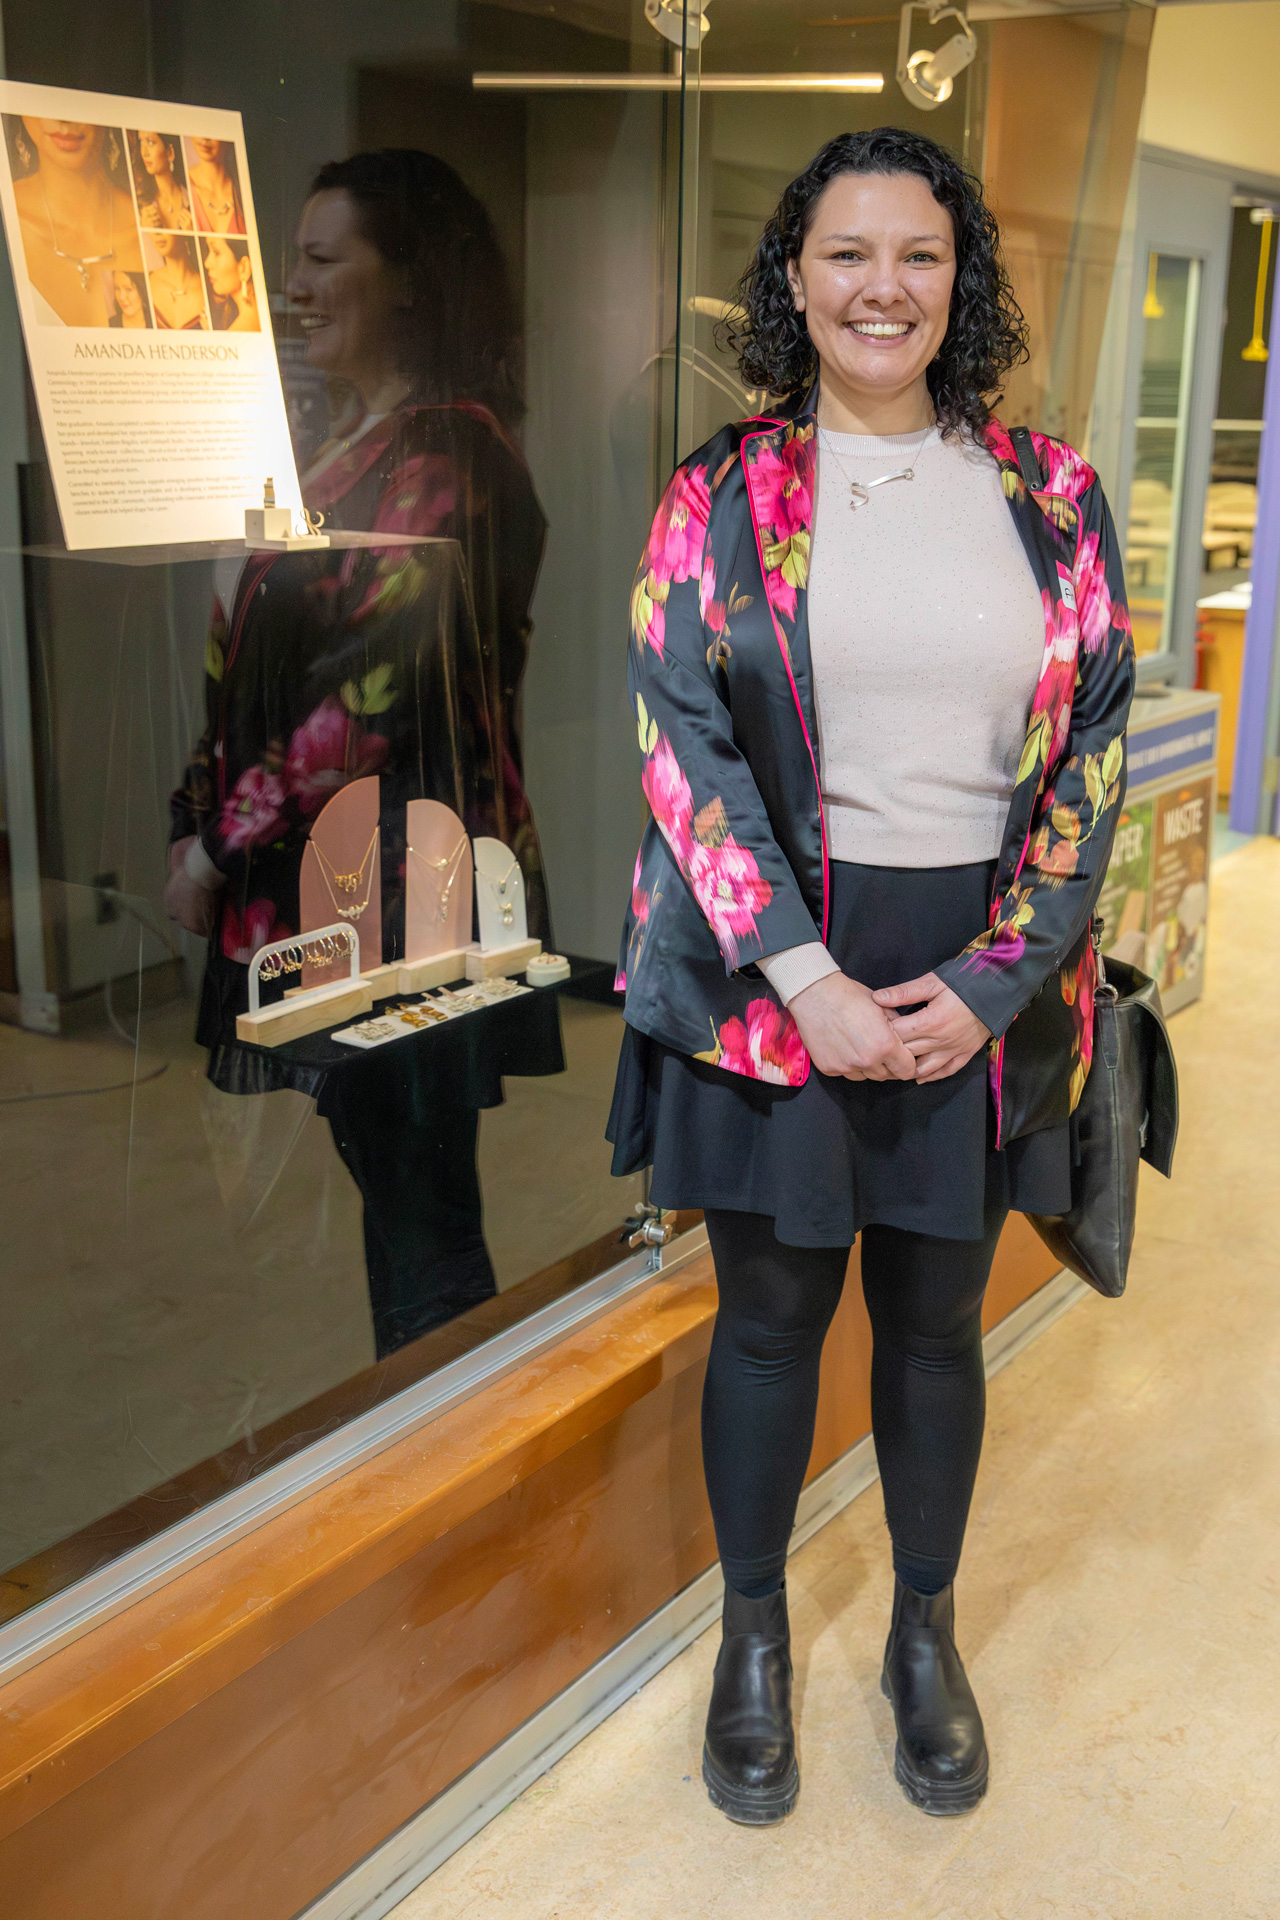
(654, 1233)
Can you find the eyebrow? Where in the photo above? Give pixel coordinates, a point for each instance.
(914, 239)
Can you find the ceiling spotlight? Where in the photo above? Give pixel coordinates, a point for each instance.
(926, 77)
(682, 28)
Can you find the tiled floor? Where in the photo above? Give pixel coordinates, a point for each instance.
(1119, 1606)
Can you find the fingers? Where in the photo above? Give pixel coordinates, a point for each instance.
(910, 993)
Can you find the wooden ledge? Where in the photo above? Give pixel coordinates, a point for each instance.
(99, 1698)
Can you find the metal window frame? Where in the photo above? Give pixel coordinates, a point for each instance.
(99, 1596)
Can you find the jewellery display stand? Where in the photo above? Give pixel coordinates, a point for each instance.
(505, 946)
(326, 949)
(438, 894)
(341, 876)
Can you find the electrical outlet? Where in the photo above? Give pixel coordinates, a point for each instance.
(107, 911)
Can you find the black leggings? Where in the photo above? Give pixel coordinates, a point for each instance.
(928, 1388)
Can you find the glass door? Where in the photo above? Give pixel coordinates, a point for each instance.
(1169, 312)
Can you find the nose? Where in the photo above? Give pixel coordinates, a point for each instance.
(882, 287)
(296, 289)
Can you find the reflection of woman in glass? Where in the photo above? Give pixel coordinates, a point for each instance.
(158, 178)
(215, 187)
(176, 293)
(234, 300)
(404, 662)
(131, 300)
(75, 213)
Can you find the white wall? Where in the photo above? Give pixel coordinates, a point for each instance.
(1213, 83)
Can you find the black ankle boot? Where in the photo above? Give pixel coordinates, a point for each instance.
(941, 1760)
(749, 1757)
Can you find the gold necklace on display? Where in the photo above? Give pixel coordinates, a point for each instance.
(860, 490)
(447, 867)
(498, 888)
(81, 262)
(348, 882)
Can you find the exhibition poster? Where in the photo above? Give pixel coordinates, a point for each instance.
(1180, 883)
(1126, 890)
(144, 308)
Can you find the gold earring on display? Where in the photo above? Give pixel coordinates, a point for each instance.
(22, 150)
(113, 150)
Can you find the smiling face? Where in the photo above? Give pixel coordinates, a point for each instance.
(163, 243)
(70, 145)
(208, 150)
(128, 299)
(155, 152)
(874, 282)
(346, 294)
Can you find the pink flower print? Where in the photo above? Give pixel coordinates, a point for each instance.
(767, 1046)
(639, 896)
(673, 553)
(1065, 472)
(781, 483)
(1093, 596)
(243, 934)
(728, 886)
(670, 800)
(1056, 689)
(679, 530)
(329, 749)
(253, 810)
(713, 611)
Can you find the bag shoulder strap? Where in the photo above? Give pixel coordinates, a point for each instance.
(1028, 466)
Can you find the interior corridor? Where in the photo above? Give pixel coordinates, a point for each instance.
(1117, 1605)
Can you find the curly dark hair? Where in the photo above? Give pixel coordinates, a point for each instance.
(986, 335)
(459, 335)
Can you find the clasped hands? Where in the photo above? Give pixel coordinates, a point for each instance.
(855, 1034)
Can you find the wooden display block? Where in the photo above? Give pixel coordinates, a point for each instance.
(273, 1026)
(485, 965)
(385, 979)
(415, 976)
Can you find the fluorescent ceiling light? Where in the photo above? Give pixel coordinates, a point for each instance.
(672, 83)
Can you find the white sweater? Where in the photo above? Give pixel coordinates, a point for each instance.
(926, 629)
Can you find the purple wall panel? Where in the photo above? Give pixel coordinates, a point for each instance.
(1252, 744)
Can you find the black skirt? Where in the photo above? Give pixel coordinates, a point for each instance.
(833, 1156)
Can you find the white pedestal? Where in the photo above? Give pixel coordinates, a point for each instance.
(485, 963)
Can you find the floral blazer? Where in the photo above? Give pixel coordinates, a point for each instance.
(733, 864)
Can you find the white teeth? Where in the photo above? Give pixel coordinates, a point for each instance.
(880, 329)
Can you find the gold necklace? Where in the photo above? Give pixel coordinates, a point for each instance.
(860, 490)
(82, 262)
(498, 888)
(447, 866)
(348, 882)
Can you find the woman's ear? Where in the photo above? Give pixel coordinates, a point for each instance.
(796, 284)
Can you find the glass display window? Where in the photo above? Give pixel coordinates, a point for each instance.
(315, 854)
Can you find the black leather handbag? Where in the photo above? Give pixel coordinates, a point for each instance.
(1128, 1112)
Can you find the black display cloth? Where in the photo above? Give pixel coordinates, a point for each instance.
(461, 1062)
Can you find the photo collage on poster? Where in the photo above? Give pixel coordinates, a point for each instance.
(131, 227)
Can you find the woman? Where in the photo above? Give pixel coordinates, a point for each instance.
(177, 295)
(215, 187)
(402, 293)
(130, 291)
(230, 275)
(75, 213)
(163, 200)
(881, 665)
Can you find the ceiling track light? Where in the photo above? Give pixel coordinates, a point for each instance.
(926, 77)
(685, 27)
